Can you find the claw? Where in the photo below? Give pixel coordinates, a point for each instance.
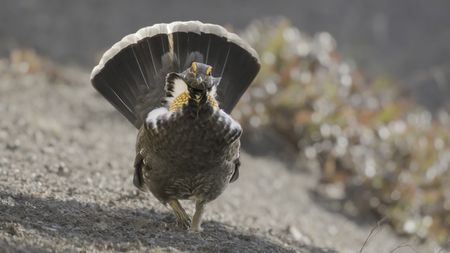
(184, 223)
(183, 220)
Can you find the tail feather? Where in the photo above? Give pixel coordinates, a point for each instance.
(131, 74)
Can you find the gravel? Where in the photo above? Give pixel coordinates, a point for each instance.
(66, 185)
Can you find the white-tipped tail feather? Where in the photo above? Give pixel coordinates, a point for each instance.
(131, 74)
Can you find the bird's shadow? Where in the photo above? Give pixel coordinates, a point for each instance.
(122, 229)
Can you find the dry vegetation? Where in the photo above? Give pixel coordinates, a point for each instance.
(377, 152)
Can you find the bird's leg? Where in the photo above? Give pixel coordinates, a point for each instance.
(183, 219)
(197, 219)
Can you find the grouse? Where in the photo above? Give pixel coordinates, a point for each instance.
(177, 84)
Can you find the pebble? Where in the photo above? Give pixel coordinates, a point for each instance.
(299, 236)
(101, 225)
(4, 161)
(13, 230)
(63, 170)
(48, 150)
(13, 145)
(9, 201)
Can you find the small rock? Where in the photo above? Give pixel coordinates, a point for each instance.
(299, 236)
(36, 177)
(8, 201)
(52, 228)
(32, 158)
(4, 161)
(63, 170)
(71, 191)
(101, 225)
(48, 150)
(110, 165)
(13, 230)
(13, 145)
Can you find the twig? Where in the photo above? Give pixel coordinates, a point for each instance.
(371, 232)
(403, 245)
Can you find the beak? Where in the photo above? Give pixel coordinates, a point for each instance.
(200, 80)
(198, 97)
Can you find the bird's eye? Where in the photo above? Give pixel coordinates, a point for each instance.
(194, 67)
(208, 71)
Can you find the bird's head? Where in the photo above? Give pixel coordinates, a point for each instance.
(200, 82)
(195, 83)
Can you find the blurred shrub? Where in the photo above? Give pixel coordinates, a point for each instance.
(385, 154)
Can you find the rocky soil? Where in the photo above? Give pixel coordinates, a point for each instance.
(66, 185)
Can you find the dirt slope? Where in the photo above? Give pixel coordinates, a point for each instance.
(66, 185)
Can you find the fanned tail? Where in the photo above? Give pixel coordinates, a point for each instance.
(131, 73)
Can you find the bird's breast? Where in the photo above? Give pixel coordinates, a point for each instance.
(192, 137)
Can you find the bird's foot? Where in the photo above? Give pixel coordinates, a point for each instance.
(197, 219)
(196, 229)
(183, 220)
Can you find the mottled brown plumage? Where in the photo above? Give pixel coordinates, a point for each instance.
(197, 165)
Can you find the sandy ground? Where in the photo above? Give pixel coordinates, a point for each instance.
(66, 186)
